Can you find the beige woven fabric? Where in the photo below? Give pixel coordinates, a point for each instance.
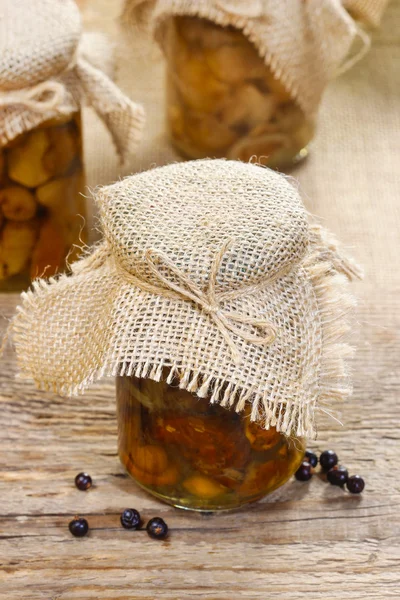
(351, 181)
(304, 43)
(43, 74)
(367, 11)
(209, 269)
(98, 50)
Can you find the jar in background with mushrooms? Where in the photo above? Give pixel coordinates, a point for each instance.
(224, 101)
(42, 209)
(45, 80)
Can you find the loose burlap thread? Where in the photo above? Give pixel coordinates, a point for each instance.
(209, 271)
(44, 74)
(305, 44)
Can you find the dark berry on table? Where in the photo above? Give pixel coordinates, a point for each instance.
(157, 528)
(130, 519)
(312, 458)
(328, 459)
(304, 472)
(337, 475)
(79, 527)
(83, 481)
(355, 484)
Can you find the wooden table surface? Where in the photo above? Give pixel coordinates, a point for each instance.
(310, 540)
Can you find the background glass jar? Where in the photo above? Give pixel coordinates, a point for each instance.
(223, 100)
(198, 455)
(41, 209)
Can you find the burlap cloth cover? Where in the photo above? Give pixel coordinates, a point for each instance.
(43, 74)
(304, 42)
(209, 269)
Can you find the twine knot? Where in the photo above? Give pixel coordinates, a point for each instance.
(80, 81)
(41, 98)
(210, 308)
(209, 300)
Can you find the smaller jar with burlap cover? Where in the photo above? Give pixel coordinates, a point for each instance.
(245, 77)
(219, 308)
(45, 78)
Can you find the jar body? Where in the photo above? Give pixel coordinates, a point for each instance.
(223, 101)
(198, 455)
(42, 210)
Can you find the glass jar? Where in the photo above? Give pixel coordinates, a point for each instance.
(224, 101)
(198, 455)
(42, 210)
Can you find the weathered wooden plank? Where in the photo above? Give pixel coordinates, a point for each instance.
(181, 569)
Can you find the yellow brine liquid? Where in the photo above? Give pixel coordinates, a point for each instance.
(41, 207)
(198, 455)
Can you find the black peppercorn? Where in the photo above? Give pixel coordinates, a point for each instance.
(157, 528)
(312, 458)
(130, 519)
(304, 472)
(83, 481)
(355, 484)
(328, 459)
(79, 527)
(337, 475)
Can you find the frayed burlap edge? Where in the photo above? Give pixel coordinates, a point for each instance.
(219, 18)
(329, 275)
(307, 97)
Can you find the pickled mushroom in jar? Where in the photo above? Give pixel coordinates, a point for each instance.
(235, 63)
(203, 487)
(209, 444)
(49, 251)
(247, 107)
(2, 167)
(26, 161)
(167, 478)
(208, 134)
(63, 150)
(41, 206)
(53, 194)
(17, 203)
(224, 101)
(198, 89)
(257, 474)
(150, 458)
(196, 454)
(16, 244)
(261, 439)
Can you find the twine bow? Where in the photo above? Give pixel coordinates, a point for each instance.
(43, 97)
(81, 81)
(208, 300)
